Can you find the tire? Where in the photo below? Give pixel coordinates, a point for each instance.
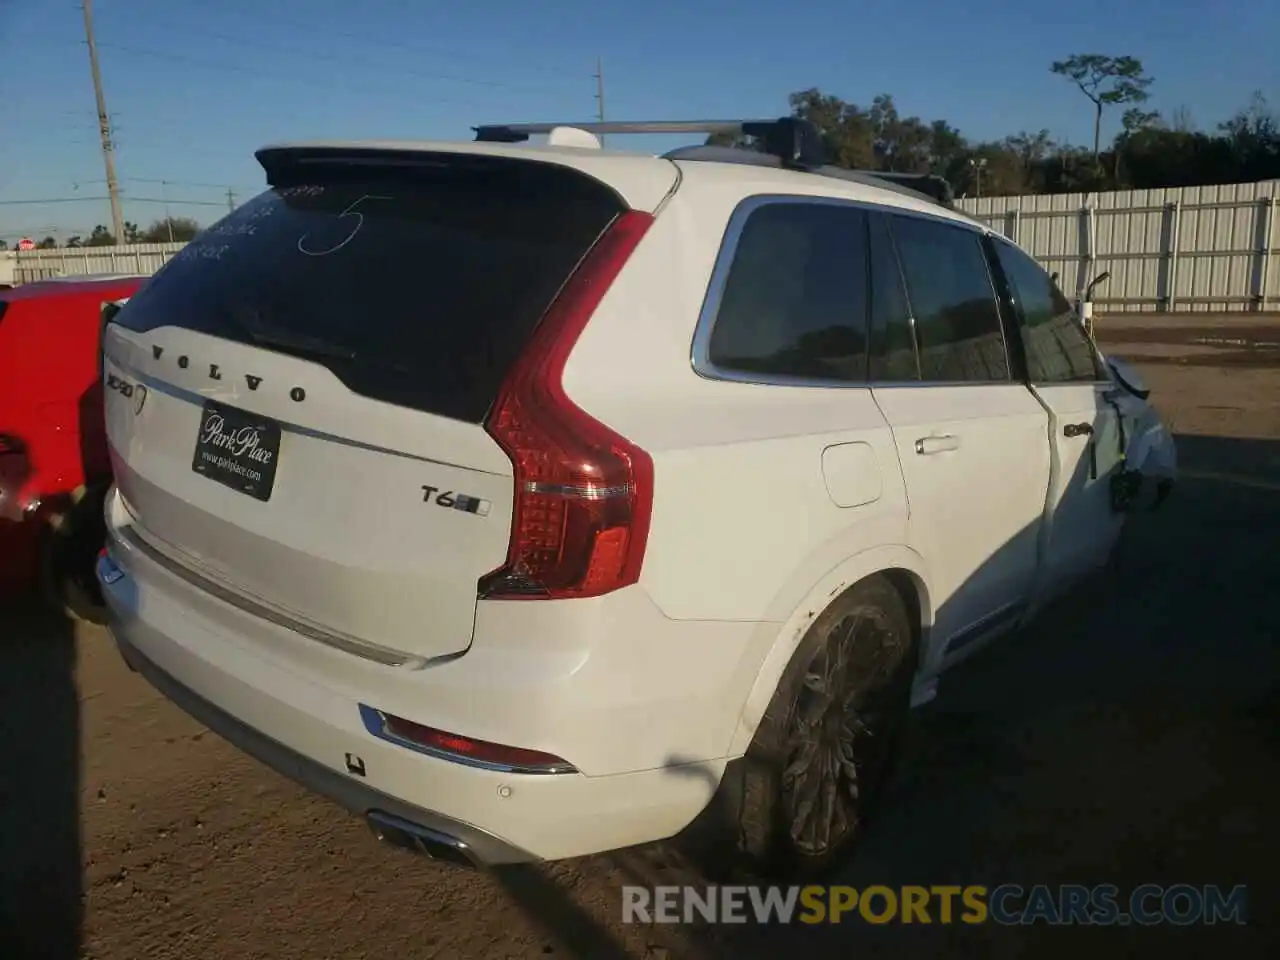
(69, 551)
(798, 802)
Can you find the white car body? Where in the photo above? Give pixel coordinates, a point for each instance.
(297, 624)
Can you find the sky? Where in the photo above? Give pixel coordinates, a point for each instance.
(193, 88)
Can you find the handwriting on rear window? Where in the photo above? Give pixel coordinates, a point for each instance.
(302, 190)
(230, 229)
(198, 250)
(350, 218)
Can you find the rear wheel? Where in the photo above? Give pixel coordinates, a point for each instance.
(799, 800)
(73, 536)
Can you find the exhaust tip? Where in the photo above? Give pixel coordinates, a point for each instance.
(398, 832)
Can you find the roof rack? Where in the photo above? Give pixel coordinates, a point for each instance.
(795, 142)
(788, 142)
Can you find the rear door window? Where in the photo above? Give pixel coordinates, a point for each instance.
(957, 321)
(416, 284)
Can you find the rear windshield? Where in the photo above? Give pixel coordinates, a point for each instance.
(417, 285)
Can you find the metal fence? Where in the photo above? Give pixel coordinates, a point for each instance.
(1209, 249)
(140, 259)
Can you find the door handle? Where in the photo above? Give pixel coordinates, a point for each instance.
(936, 444)
(1077, 430)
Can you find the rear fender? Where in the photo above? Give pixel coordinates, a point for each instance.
(787, 638)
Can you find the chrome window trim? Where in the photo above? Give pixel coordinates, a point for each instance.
(699, 353)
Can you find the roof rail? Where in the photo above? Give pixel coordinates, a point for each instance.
(795, 142)
(919, 185)
(789, 142)
(930, 184)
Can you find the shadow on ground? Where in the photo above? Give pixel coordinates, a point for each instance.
(40, 863)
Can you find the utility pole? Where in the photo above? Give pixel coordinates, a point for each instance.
(104, 126)
(600, 94)
(231, 201)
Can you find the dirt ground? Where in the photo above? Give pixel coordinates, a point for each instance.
(1131, 736)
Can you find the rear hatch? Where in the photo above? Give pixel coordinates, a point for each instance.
(296, 401)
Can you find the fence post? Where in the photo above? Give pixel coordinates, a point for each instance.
(1175, 212)
(1089, 255)
(1268, 212)
(1011, 223)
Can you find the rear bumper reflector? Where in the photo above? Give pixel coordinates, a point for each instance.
(459, 749)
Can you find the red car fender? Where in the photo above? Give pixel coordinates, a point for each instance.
(51, 411)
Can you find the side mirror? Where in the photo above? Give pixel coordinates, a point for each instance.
(1053, 278)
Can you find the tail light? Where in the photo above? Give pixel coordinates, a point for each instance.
(583, 493)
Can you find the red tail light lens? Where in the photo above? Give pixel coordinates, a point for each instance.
(459, 748)
(583, 492)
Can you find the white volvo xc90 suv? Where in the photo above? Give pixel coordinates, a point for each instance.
(534, 500)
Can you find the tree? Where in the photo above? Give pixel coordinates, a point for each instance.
(846, 130)
(131, 232)
(1253, 138)
(75, 241)
(100, 237)
(1106, 81)
(1182, 120)
(170, 230)
(1147, 152)
(1032, 149)
(48, 243)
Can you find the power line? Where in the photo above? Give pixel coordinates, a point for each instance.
(16, 203)
(178, 201)
(178, 183)
(130, 198)
(261, 17)
(346, 58)
(228, 68)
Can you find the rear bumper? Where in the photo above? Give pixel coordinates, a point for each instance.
(297, 707)
(472, 844)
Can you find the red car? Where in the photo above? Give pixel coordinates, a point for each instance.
(54, 466)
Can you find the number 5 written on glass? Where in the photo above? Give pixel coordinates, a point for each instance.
(356, 219)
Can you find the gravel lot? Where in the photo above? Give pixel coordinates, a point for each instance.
(1132, 735)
